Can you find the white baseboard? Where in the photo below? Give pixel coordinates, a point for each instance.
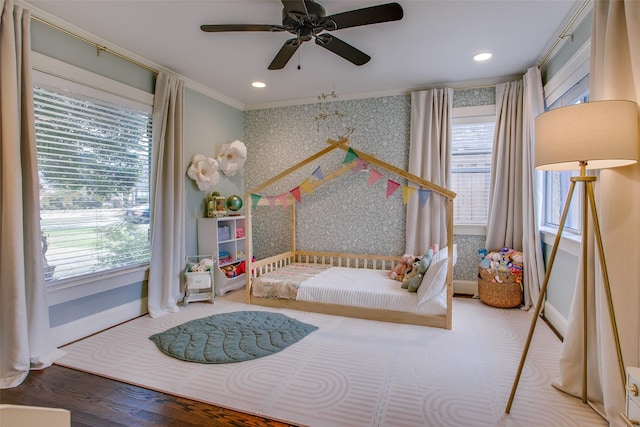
(82, 328)
(465, 287)
(557, 320)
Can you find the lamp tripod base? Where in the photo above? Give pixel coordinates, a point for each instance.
(589, 205)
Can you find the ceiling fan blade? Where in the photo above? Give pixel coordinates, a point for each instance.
(366, 16)
(285, 54)
(295, 6)
(342, 49)
(240, 27)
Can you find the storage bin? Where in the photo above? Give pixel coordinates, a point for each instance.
(198, 280)
(224, 233)
(500, 278)
(500, 295)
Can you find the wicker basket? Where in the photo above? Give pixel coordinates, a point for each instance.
(501, 295)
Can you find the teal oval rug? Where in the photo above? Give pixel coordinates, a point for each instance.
(231, 337)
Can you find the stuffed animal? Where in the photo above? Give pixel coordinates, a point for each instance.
(411, 273)
(425, 262)
(516, 258)
(429, 255)
(494, 260)
(207, 262)
(198, 268)
(230, 271)
(400, 269)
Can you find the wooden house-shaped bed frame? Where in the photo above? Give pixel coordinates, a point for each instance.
(383, 262)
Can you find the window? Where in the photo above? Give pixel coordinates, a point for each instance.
(94, 154)
(471, 146)
(556, 183)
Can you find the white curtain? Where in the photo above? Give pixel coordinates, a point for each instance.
(533, 274)
(24, 318)
(514, 199)
(614, 74)
(504, 222)
(429, 158)
(167, 200)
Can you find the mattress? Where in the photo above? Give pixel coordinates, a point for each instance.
(353, 287)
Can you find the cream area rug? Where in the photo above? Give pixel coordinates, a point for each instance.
(353, 372)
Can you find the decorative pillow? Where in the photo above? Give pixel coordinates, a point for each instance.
(434, 281)
(441, 254)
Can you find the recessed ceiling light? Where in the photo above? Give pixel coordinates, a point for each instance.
(258, 84)
(482, 56)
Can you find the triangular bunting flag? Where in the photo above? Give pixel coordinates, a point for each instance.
(255, 198)
(296, 194)
(423, 196)
(392, 186)
(350, 157)
(407, 192)
(272, 201)
(283, 199)
(374, 176)
(360, 165)
(306, 186)
(318, 174)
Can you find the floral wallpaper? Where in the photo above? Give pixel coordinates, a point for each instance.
(343, 215)
(466, 267)
(340, 215)
(474, 96)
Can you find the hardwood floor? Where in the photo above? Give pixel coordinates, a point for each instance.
(100, 402)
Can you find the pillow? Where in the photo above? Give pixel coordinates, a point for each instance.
(434, 281)
(441, 254)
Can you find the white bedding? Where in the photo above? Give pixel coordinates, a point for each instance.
(367, 288)
(358, 287)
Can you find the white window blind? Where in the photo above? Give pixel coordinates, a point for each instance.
(94, 162)
(471, 145)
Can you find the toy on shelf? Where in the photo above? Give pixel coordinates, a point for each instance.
(215, 205)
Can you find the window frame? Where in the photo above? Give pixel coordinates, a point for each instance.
(65, 290)
(469, 115)
(571, 73)
(560, 85)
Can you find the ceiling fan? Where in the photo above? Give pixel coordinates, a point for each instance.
(306, 19)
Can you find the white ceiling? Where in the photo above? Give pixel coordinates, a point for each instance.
(432, 45)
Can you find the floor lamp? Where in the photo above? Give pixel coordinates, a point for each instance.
(592, 135)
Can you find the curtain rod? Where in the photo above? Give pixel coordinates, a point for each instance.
(563, 34)
(443, 86)
(91, 43)
(476, 87)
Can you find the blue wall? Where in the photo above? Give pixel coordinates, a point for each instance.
(208, 125)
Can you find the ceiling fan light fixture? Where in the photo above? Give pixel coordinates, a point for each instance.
(482, 56)
(259, 85)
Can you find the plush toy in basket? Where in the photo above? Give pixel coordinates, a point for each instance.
(500, 278)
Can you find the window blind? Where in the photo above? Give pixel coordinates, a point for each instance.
(471, 145)
(94, 165)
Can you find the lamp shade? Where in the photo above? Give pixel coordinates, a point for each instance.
(602, 134)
